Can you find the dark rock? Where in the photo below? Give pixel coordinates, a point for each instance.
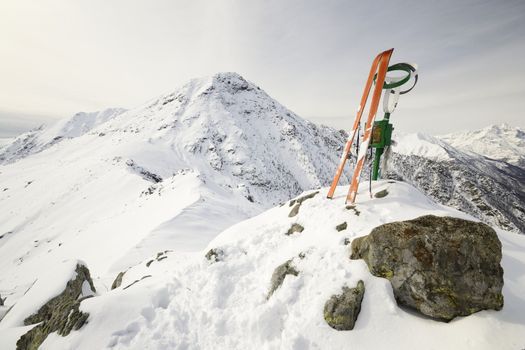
(215, 255)
(341, 227)
(1, 301)
(61, 314)
(118, 280)
(279, 274)
(136, 281)
(341, 311)
(441, 266)
(381, 194)
(298, 202)
(294, 228)
(352, 207)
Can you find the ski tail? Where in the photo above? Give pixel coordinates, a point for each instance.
(384, 59)
(350, 141)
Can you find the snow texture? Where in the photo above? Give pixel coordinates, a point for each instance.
(189, 302)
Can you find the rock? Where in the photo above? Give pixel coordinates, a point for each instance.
(341, 227)
(215, 255)
(341, 311)
(294, 228)
(279, 274)
(381, 194)
(298, 202)
(441, 266)
(60, 314)
(1, 300)
(118, 280)
(352, 207)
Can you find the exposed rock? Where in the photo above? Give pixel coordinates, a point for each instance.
(118, 281)
(294, 228)
(136, 281)
(298, 202)
(381, 194)
(279, 274)
(441, 266)
(341, 227)
(61, 314)
(353, 207)
(215, 255)
(341, 311)
(1, 300)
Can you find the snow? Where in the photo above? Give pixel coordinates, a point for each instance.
(44, 136)
(500, 142)
(422, 145)
(120, 186)
(190, 303)
(43, 289)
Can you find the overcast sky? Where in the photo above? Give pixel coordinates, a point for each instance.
(60, 57)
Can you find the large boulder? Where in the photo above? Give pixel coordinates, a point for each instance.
(441, 266)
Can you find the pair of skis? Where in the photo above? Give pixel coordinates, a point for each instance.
(378, 75)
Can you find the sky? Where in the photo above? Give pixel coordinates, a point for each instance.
(59, 57)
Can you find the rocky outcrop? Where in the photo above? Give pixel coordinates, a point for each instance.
(279, 274)
(341, 311)
(60, 314)
(441, 266)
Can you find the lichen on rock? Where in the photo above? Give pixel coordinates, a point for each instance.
(442, 267)
(60, 314)
(341, 311)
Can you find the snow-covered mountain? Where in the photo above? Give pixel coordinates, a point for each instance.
(119, 186)
(44, 137)
(488, 189)
(499, 142)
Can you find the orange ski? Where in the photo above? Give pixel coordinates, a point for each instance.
(380, 59)
(381, 75)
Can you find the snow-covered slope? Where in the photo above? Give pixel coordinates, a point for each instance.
(44, 137)
(490, 190)
(171, 174)
(188, 302)
(500, 142)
